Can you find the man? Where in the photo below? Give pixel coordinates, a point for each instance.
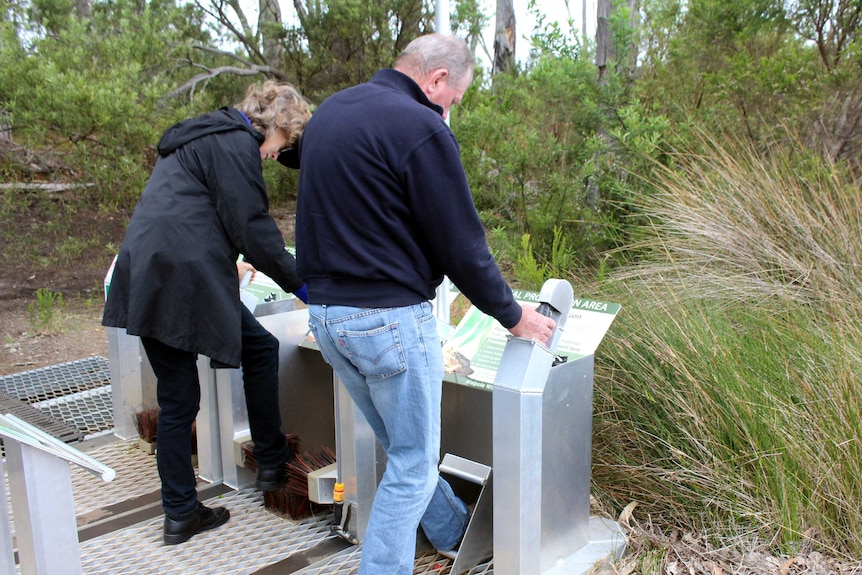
(384, 211)
(175, 284)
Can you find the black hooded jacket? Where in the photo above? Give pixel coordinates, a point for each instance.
(175, 278)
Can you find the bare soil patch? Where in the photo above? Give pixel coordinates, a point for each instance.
(24, 346)
(59, 244)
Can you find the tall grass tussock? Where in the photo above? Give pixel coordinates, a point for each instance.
(728, 391)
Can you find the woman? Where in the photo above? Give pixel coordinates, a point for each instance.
(175, 283)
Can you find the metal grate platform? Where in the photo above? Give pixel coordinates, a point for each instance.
(253, 538)
(58, 380)
(91, 410)
(37, 418)
(77, 393)
(136, 475)
(347, 563)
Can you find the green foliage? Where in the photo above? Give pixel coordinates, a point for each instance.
(727, 392)
(740, 68)
(621, 165)
(523, 144)
(469, 21)
(74, 247)
(833, 26)
(344, 43)
(88, 91)
(553, 40)
(530, 273)
(45, 312)
(281, 184)
(53, 16)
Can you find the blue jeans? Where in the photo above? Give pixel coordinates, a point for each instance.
(390, 361)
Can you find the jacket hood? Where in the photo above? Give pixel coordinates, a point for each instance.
(222, 120)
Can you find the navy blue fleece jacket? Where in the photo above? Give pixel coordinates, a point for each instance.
(384, 208)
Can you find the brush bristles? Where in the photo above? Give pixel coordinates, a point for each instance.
(292, 499)
(147, 424)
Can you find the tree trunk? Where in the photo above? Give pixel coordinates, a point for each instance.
(269, 27)
(604, 54)
(83, 9)
(624, 64)
(630, 61)
(504, 38)
(584, 21)
(604, 40)
(5, 127)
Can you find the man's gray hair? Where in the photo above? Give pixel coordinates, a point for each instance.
(432, 51)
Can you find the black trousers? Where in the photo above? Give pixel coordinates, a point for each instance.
(179, 394)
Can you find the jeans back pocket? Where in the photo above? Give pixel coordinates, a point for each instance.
(376, 353)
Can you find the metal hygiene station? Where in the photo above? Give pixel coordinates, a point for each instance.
(516, 449)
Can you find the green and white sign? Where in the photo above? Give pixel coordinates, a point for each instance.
(473, 351)
(260, 288)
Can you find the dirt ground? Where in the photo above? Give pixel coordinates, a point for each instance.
(25, 347)
(32, 337)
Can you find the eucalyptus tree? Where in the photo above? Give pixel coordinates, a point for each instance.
(504, 36)
(758, 68)
(319, 46)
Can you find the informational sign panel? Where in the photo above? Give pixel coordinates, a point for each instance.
(473, 350)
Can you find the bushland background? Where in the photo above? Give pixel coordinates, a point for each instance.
(696, 161)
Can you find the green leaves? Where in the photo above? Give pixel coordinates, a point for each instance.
(87, 90)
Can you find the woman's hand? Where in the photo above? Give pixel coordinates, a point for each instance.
(242, 268)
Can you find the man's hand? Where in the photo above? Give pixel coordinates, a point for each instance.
(533, 325)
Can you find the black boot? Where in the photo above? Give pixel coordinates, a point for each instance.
(180, 529)
(274, 478)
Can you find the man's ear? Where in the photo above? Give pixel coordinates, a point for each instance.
(434, 79)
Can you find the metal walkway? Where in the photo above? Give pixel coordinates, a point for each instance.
(120, 523)
(77, 394)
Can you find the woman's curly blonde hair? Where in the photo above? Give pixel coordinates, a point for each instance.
(275, 106)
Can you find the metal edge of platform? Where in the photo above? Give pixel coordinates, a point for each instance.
(38, 418)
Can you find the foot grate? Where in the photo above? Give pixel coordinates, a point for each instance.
(39, 419)
(77, 393)
(57, 380)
